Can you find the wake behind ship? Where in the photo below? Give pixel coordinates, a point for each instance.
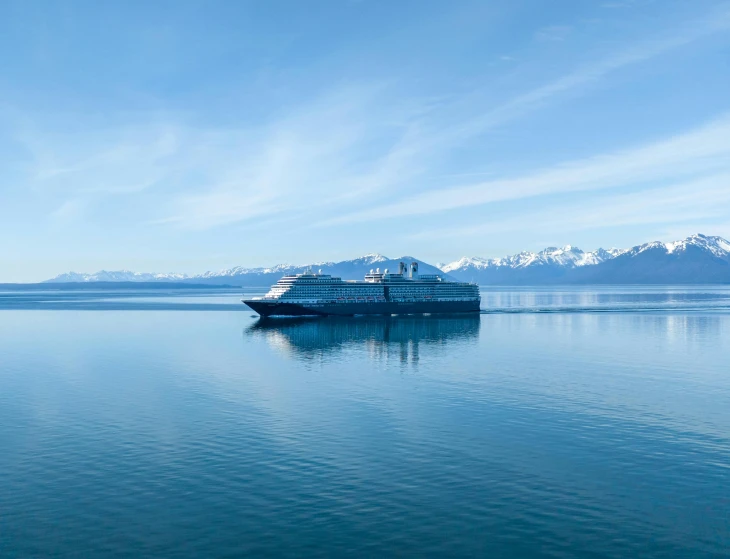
(383, 293)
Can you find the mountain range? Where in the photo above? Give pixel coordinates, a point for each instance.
(254, 277)
(696, 259)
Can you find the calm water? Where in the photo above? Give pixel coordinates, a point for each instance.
(560, 423)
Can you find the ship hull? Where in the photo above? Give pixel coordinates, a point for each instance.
(273, 308)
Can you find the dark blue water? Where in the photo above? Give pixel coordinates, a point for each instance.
(560, 423)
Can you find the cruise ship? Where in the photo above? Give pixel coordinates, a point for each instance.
(383, 293)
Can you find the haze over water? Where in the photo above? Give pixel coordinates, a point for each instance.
(559, 423)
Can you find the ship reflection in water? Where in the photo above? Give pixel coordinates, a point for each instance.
(401, 337)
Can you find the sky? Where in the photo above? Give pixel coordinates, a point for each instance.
(191, 136)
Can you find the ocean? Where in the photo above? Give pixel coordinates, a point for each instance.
(560, 422)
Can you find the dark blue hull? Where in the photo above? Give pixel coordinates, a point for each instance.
(274, 308)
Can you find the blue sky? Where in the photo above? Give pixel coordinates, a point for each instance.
(189, 136)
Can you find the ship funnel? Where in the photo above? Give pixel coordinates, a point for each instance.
(320, 271)
(414, 270)
(402, 268)
(386, 271)
(377, 270)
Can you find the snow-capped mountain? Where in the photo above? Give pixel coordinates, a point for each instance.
(717, 246)
(116, 276)
(239, 275)
(696, 259)
(568, 256)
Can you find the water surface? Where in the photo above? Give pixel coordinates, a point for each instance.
(560, 423)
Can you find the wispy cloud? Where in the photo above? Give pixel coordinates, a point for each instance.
(701, 150)
(553, 33)
(69, 210)
(435, 138)
(335, 148)
(324, 154)
(622, 4)
(345, 150)
(718, 20)
(107, 161)
(689, 201)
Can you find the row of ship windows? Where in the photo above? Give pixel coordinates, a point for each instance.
(372, 295)
(378, 287)
(350, 296)
(382, 299)
(328, 295)
(347, 284)
(375, 288)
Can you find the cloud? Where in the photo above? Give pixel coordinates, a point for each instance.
(553, 33)
(619, 4)
(698, 199)
(353, 147)
(114, 160)
(342, 145)
(324, 154)
(590, 73)
(436, 138)
(699, 150)
(69, 210)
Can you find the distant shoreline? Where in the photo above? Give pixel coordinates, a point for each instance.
(81, 286)
(101, 285)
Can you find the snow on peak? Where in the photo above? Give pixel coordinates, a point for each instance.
(572, 257)
(717, 246)
(115, 276)
(288, 268)
(466, 262)
(372, 258)
(567, 256)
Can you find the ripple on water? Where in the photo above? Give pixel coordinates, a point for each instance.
(177, 434)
